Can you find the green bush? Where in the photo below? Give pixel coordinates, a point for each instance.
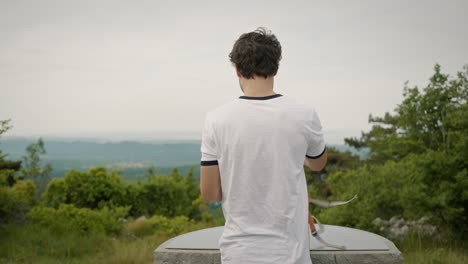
(68, 217)
(93, 189)
(163, 195)
(173, 226)
(161, 225)
(16, 201)
(429, 184)
(170, 195)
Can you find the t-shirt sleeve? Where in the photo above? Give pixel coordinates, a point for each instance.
(316, 143)
(209, 154)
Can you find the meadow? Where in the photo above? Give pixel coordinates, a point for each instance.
(34, 244)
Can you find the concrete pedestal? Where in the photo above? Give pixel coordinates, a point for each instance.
(201, 247)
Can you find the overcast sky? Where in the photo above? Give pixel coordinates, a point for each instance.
(128, 67)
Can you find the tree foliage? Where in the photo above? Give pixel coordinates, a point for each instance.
(16, 197)
(169, 195)
(16, 201)
(69, 218)
(4, 127)
(33, 169)
(7, 167)
(434, 118)
(92, 189)
(419, 161)
(337, 161)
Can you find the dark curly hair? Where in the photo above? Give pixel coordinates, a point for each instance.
(257, 52)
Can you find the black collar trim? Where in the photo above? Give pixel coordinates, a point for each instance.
(260, 98)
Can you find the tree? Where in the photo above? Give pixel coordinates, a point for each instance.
(163, 195)
(193, 191)
(7, 167)
(92, 189)
(434, 118)
(419, 161)
(175, 174)
(32, 168)
(16, 197)
(192, 185)
(4, 127)
(7, 171)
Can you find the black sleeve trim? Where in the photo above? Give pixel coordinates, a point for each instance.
(208, 162)
(318, 156)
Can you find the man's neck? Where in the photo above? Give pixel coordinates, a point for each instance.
(257, 87)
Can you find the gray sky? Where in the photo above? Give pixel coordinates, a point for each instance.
(128, 67)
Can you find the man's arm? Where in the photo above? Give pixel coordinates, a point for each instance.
(316, 164)
(210, 183)
(210, 180)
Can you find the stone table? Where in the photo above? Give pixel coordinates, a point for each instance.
(201, 247)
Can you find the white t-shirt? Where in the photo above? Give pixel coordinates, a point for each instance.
(259, 144)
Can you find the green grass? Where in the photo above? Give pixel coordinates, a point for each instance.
(33, 244)
(30, 243)
(418, 249)
(20, 245)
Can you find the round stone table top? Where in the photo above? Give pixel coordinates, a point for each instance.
(201, 246)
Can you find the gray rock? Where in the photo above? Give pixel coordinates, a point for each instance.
(377, 221)
(423, 220)
(393, 220)
(404, 230)
(141, 218)
(399, 223)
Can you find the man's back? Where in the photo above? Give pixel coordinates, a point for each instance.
(260, 144)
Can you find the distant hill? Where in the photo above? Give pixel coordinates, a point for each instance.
(130, 156)
(160, 154)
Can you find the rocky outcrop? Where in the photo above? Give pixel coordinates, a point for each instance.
(399, 228)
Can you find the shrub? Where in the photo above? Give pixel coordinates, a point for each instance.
(162, 195)
(174, 226)
(161, 225)
(93, 189)
(170, 195)
(68, 217)
(432, 184)
(16, 201)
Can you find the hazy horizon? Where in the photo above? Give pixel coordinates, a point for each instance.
(331, 136)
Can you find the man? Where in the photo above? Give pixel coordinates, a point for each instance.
(252, 156)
